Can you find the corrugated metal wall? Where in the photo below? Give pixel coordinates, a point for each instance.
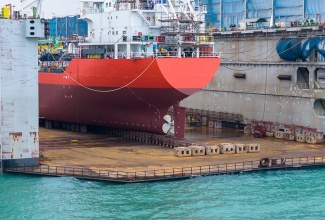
(223, 13)
(64, 27)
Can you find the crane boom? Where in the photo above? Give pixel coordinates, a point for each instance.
(39, 6)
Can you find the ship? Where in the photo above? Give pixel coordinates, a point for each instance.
(138, 59)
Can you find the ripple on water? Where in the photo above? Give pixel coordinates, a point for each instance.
(277, 194)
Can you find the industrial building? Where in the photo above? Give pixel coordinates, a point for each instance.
(223, 14)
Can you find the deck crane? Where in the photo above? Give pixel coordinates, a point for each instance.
(39, 6)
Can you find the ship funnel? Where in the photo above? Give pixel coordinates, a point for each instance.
(169, 126)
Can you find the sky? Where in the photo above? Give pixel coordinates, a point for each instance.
(50, 8)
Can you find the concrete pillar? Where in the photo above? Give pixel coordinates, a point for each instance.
(19, 92)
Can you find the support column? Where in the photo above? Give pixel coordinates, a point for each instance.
(179, 51)
(115, 51)
(19, 92)
(179, 121)
(312, 79)
(128, 50)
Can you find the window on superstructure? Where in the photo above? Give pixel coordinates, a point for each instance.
(106, 5)
(110, 4)
(116, 32)
(116, 16)
(109, 33)
(112, 32)
(124, 32)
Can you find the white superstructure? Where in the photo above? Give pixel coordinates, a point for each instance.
(130, 29)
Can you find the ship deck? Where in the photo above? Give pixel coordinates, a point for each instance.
(114, 159)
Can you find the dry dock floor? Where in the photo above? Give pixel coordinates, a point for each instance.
(105, 152)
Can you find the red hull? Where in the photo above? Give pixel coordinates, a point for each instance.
(128, 94)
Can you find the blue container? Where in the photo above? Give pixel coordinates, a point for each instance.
(65, 27)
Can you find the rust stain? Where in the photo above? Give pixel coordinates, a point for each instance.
(25, 150)
(35, 154)
(15, 135)
(34, 135)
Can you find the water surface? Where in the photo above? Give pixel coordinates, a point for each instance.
(274, 195)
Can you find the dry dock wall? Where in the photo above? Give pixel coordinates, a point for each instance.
(258, 93)
(19, 92)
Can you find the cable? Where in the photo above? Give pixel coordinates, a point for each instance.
(125, 86)
(111, 90)
(270, 55)
(145, 101)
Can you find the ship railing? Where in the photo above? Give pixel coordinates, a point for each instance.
(172, 173)
(135, 6)
(165, 54)
(76, 52)
(143, 55)
(140, 6)
(303, 85)
(92, 10)
(210, 54)
(153, 5)
(319, 112)
(54, 63)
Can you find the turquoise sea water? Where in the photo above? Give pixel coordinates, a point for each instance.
(296, 194)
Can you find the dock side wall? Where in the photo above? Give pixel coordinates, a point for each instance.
(18, 94)
(260, 94)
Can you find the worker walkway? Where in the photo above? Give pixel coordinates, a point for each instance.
(174, 173)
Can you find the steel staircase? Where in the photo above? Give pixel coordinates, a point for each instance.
(140, 13)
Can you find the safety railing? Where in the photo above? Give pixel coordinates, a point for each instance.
(319, 112)
(167, 54)
(172, 173)
(151, 5)
(303, 85)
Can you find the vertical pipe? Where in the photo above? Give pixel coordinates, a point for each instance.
(272, 13)
(304, 8)
(66, 27)
(221, 14)
(77, 27)
(246, 9)
(56, 28)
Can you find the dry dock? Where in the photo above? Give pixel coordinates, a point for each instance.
(97, 156)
